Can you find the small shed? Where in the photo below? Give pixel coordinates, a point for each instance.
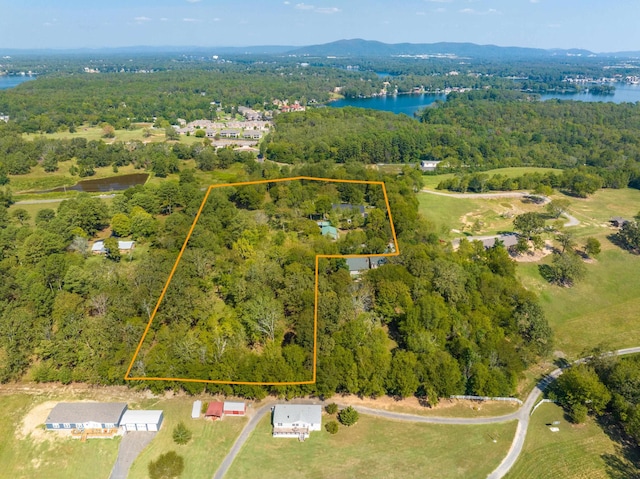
(148, 420)
(232, 408)
(195, 410)
(215, 410)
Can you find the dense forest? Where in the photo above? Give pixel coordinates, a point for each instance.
(429, 322)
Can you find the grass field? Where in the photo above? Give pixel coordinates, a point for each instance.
(582, 451)
(493, 215)
(54, 458)
(203, 454)
(431, 181)
(602, 308)
(376, 448)
(96, 133)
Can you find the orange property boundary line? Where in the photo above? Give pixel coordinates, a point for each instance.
(315, 308)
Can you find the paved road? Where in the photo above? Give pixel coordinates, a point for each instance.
(131, 445)
(522, 415)
(244, 435)
(506, 194)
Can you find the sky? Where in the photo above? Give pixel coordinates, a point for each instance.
(596, 25)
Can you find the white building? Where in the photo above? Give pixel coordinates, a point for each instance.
(149, 420)
(296, 420)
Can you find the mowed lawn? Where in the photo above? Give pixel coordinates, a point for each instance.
(601, 309)
(581, 451)
(376, 448)
(203, 454)
(54, 458)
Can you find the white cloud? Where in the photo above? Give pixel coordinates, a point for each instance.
(216, 19)
(328, 10)
(440, 10)
(193, 1)
(439, 1)
(313, 8)
(191, 20)
(471, 11)
(164, 19)
(534, 1)
(420, 13)
(142, 19)
(287, 3)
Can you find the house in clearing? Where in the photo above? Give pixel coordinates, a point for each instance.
(618, 221)
(429, 165)
(360, 264)
(348, 207)
(123, 246)
(145, 420)
(85, 415)
(296, 420)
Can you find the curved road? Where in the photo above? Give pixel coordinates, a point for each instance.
(522, 415)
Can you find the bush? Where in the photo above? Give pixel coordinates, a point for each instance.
(331, 408)
(348, 416)
(331, 427)
(181, 434)
(167, 466)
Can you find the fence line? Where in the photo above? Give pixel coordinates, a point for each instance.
(486, 398)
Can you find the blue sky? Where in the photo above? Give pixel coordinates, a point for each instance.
(597, 25)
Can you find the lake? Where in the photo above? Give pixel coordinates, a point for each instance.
(13, 80)
(407, 104)
(410, 104)
(114, 183)
(624, 93)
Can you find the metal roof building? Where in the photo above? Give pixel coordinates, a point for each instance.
(85, 415)
(146, 420)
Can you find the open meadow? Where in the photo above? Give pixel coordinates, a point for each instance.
(376, 448)
(574, 452)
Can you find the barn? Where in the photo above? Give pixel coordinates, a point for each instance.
(231, 408)
(85, 415)
(214, 410)
(150, 420)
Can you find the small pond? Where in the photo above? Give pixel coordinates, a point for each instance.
(114, 183)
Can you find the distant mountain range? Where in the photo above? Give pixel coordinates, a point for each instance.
(345, 49)
(364, 48)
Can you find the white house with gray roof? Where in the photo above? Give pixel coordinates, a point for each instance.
(85, 415)
(296, 420)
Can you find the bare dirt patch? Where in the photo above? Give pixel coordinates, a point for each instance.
(536, 256)
(32, 423)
